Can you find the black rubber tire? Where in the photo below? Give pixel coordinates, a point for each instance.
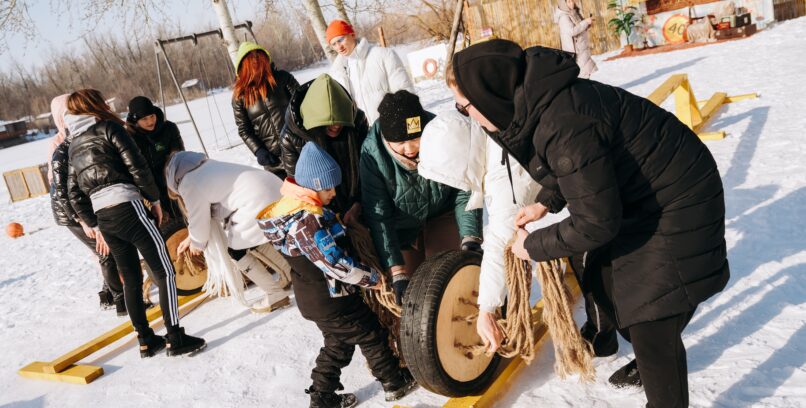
(418, 326)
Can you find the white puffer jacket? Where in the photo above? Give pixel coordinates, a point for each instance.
(230, 193)
(369, 73)
(454, 150)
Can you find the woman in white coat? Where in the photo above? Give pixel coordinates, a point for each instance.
(367, 72)
(221, 201)
(455, 151)
(574, 35)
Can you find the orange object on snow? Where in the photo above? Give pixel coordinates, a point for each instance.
(14, 230)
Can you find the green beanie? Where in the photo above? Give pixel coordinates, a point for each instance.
(327, 104)
(245, 48)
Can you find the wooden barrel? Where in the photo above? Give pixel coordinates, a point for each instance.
(189, 280)
(438, 326)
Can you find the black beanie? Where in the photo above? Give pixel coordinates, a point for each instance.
(140, 107)
(487, 75)
(401, 116)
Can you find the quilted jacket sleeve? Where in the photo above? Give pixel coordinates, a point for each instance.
(134, 161)
(379, 211)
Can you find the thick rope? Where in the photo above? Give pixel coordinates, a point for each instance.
(572, 353)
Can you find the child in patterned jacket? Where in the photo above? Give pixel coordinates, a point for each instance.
(326, 280)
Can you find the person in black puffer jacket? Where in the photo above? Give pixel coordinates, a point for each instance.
(644, 194)
(111, 293)
(259, 100)
(157, 138)
(324, 113)
(108, 178)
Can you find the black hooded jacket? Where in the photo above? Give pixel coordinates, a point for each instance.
(156, 146)
(345, 149)
(260, 125)
(633, 177)
(102, 156)
(59, 199)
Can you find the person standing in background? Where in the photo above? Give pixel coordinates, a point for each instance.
(366, 71)
(574, 35)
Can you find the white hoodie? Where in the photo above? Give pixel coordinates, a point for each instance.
(454, 150)
(368, 74)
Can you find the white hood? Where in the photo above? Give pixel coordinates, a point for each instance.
(78, 124)
(452, 152)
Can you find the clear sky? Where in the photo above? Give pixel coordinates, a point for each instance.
(63, 32)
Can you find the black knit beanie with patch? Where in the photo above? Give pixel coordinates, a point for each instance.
(487, 75)
(402, 117)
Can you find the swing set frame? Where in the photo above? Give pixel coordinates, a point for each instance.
(159, 49)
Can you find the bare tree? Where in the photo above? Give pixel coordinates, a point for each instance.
(14, 19)
(341, 10)
(314, 12)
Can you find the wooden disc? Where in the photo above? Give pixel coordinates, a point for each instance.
(453, 331)
(186, 280)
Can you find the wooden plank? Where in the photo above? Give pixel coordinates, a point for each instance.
(685, 106)
(711, 135)
(62, 363)
(710, 108)
(74, 374)
(662, 92)
(504, 382)
(15, 184)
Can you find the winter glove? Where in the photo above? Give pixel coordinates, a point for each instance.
(265, 158)
(472, 244)
(399, 283)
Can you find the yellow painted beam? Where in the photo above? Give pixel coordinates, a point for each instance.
(659, 95)
(711, 135)
(502, 384)
(61, 363)
(710, 108)
(732, 99)
(76, 374)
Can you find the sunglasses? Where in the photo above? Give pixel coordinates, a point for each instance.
(462, 109)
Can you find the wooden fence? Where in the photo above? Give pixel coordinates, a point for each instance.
(788, 9)
(531, 22)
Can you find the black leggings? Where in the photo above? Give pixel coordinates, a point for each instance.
(109, 269)
(128, 228)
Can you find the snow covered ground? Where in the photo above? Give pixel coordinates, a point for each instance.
(745, 346)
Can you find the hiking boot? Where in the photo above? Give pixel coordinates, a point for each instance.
(120, 307)
(604, 344)
(150, 344)
(627, 376)
(180, 343)
(396, 390)
(331, 399)
(106, 299)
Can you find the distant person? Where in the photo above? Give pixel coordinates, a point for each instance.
(326, 280)
(574, 35)
(108, 181)
(366, 71)
(111, 295)
(157, 138)
(322, 112)
(259, 100)
(221, 201)
(409, 217)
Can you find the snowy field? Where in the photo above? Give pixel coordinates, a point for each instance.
(745, 346)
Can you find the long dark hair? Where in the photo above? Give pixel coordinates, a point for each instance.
(91, 102)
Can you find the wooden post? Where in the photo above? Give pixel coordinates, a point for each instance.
(457, 18)
(381, 37)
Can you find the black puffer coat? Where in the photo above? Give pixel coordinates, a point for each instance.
(633, 176)
(102, 156)
(156, 146)
(345, 149)
(59, 199)
(260, 125)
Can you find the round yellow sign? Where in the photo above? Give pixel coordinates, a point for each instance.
(674, 29)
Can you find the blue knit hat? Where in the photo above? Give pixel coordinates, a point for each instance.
(316, 170)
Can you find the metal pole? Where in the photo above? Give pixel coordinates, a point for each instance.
(159, 80)
(182, 95)
(457, 18)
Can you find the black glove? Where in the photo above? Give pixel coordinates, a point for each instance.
(474, 246)
(265, 158)
(399, 283)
